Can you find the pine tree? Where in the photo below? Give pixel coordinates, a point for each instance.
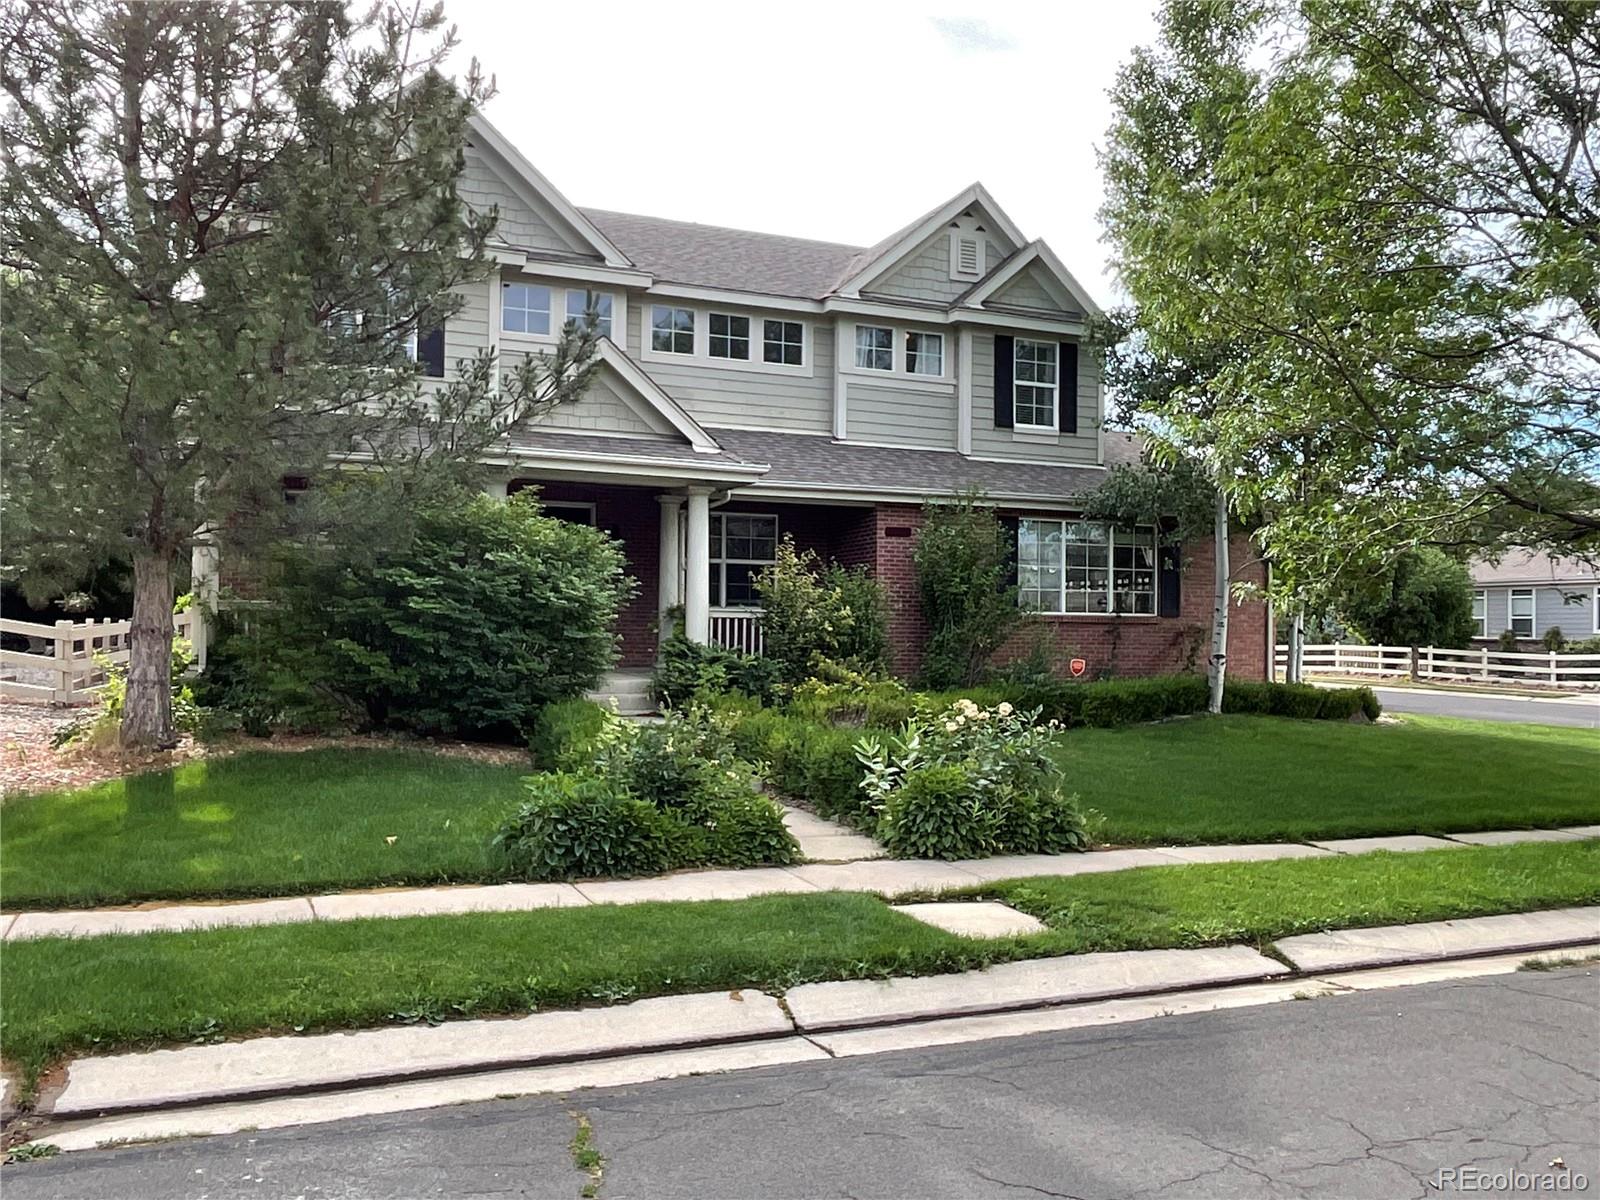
(224, 227)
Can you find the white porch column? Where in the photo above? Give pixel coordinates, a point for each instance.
(697, 574)
(669, 566)
(205, 572)
(495, 488)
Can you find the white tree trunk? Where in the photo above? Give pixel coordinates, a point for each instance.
(1218, 665)
(1295, 673)
(147, 711)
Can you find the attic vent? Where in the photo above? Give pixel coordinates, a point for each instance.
(966, 255)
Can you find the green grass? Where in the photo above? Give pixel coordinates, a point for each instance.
(1257, 903)
(67, 996)
(262, 823)
(1251, 779)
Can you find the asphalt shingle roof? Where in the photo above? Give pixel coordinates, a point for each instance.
(667, 449)
(801, 460)
(736, 259)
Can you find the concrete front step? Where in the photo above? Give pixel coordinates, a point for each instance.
(628, 692)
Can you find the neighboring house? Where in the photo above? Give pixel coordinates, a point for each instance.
(755, 387)
(1528, 592)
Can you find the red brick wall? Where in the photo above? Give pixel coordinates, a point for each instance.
(633, 517)
(1121, 646)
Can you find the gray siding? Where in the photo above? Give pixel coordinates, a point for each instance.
(481, 188)
(467, 333)
(904, 418)
(989, 442)
(1026, 290)
(728, 396)
(604, 408)
(1550, 610)
(925, 275)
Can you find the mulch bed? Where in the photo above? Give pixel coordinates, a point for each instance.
(28, 763)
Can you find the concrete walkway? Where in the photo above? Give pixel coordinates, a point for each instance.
(885, 877)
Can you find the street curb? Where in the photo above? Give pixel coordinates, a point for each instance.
(44, 1110)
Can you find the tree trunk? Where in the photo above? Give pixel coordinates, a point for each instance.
(147, 711)
(1218, 665)
(1295, 672)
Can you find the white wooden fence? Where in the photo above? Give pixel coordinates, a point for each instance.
(1432, 662)
(60, 664)
(737, 629)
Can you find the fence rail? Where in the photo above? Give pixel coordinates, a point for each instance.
(1434, 662)
(63, 661)
(737, 629)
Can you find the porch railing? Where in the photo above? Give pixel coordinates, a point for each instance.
(60, 664)
(737, 629)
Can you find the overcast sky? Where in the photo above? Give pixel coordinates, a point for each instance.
(834, 121)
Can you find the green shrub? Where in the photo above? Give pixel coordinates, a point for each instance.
(484, 614)
(580, 826)
(1586, 646)
(937, 814)
(689, 671)
(1554, 639)
(811, 613)
(882, 704)
(1300, 701)
(1507, 641)
(565, 733)
(969, 781)
(964, 557)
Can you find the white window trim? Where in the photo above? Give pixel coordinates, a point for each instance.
(719, 600)
(702, 338)
(516, 339)
(566, 301)
(647, 331)
(1111, 590)
(1533, 611)
(1481, 596)
(856, 347)
(897, 376)
(1597, 608)
(1018, 426)
(750, 328)
(944, 346)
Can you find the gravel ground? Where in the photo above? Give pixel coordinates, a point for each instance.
(28, 763)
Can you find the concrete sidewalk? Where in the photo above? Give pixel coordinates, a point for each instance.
(854, 1016)
(885, 877)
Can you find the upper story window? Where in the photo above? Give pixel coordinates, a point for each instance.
(782, 342)
(583, 304)
(729, 336)
(925, 353)
(1085, 567)
(874, 347)
(672, 329)
(525, 308)
(1035, 383)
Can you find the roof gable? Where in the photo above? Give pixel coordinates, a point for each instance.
(570, 232)
(1020, 280)
(879, 262)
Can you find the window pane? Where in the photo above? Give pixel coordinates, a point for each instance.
(925, 353)
(875, 347)
(672, 330)
(729, 336)
(781, 342)
(524, 308)
(741, 585)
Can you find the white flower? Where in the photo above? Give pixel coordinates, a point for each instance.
(1005, 709)
(949, 726)
(981, 715)
(961, 718)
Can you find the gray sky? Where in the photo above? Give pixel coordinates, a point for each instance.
(834, 121)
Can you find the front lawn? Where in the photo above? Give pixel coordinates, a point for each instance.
(67, 996)
(1252, 779)
(261, 823)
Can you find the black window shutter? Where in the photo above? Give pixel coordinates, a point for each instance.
(430, 351)
(1169, 576)
(1009, 524)
(1067, 388)
(1005, 352)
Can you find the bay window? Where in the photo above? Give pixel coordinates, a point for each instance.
(1085, 567)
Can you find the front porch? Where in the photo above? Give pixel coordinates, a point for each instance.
(698, 549)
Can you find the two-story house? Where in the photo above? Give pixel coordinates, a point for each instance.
(756, 386)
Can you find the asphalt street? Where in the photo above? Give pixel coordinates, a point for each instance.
(1368, 1094)
(1582, 712)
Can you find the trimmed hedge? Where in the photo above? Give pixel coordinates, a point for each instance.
(811, 758)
